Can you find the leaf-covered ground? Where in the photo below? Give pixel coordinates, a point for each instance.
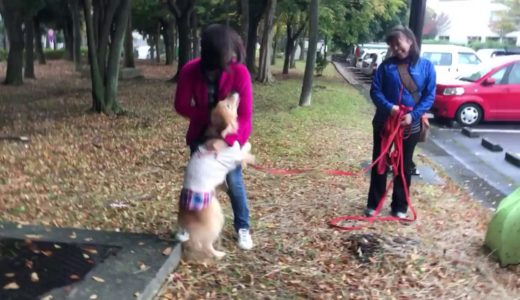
(93, 171)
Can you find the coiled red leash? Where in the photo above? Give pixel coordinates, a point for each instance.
(394, 136)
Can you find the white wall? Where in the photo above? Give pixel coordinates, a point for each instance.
(467, 18)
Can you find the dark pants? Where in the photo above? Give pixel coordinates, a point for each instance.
(237, 194)
(378, 182)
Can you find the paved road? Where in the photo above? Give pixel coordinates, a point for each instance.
(484, 173)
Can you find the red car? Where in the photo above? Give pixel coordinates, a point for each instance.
(491, 93)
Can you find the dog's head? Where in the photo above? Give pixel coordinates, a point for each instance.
(224, 116)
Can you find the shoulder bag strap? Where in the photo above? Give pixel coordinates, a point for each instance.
(408, 81)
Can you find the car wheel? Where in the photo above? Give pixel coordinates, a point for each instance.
(469, 114)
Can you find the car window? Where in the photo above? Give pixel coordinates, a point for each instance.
(514, 74)
(499, 76)
(466, 58)
(438, 58)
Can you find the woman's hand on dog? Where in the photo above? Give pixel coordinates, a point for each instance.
(215, 145)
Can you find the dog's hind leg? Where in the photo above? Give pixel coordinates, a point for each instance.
(217, 254)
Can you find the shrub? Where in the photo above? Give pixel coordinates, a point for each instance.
(321, 63)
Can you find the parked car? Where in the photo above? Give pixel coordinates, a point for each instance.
(486, 54)
(361, 50)
(375, 60)
(450, 60)
(491, 93)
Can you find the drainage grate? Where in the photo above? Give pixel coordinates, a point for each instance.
(29, 269)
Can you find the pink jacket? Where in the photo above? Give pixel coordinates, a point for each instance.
(191, 85)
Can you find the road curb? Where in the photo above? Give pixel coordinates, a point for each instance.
(469, 132)
(491, 146)
(513, 158)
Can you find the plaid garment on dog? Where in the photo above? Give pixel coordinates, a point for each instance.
(194, 201)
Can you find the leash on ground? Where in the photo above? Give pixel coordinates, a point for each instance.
(394, 136)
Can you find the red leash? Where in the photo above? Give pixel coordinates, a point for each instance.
(394, 135)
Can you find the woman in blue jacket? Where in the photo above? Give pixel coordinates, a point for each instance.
(385, 93)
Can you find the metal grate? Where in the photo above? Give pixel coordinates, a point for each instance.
(55, 265)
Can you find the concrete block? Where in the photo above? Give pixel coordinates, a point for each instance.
(467, 131)
(490, 145)
(513, 158)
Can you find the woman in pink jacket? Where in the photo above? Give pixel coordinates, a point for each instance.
(202, 82)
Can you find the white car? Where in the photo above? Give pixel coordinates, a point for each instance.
(377, 59)
(367, 57)
(450, 60)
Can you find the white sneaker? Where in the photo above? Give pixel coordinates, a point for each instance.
(182, 235)
(245, 242)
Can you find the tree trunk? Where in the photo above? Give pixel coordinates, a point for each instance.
(302, 49)
(292, 62)
(305, 97)
(29, 49)
(182, 9)
(264, 72)
(194, 34)
(68, 34)
(13, 25)
(116, 46)
(255, 15)
(157, 42)
(244, 20)
(289, 45)
(276, 38)
(76, 33)
(174, 41)
(38, 41)
(104, 69)
(167, 33)
(129, 45)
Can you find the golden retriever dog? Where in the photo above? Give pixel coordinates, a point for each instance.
(200, 216)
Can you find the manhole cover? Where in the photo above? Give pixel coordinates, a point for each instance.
(31, 268)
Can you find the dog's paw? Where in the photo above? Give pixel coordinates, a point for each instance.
(182, 236)
(219, 254)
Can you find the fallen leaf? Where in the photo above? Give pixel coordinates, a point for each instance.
(167, 251)
(57, 247)
(98, 279)
(11, 286)
(29, 264)
(73, 235)
(74, 277)
(136, 294)
(33, 236)
(46, 253)
(48, 297)
(9, 275)
(91, 250)
(86, 256)
(34, 277)
(92, 297)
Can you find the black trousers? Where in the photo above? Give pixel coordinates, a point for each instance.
(378, 182)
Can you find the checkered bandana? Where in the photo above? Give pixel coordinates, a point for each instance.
(194, 201)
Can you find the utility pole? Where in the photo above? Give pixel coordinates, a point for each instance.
(417, 12)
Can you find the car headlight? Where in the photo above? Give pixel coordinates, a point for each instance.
(454, 91)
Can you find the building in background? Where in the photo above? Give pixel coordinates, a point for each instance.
(470, 21)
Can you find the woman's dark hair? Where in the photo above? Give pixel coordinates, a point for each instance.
(398, 31)
(220, 45)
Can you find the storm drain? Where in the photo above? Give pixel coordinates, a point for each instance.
(29, 268)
